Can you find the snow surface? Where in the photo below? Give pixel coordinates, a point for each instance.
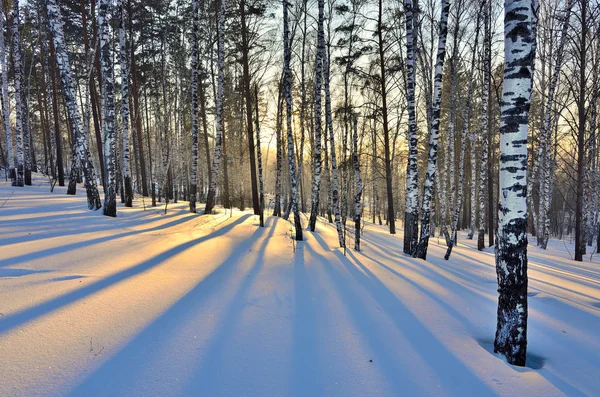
(148, 304)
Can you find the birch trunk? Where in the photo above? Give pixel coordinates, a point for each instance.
(261, 188)
(109, 141)
(194, 65)
(420, 250)
(511, 251)
(316, 183)
(544, 149)
(335, 196)
(464, 137)
(485, 92)
(128, 190)
(212, 189)
(62, 62)
(18, 83)
(5, 116)
(359, 185)
(287, 54)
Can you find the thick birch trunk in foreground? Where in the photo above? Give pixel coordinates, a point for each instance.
(194, 65)
(212, 189)
(62, 61)
(420, 251)
(316, 183)
(287, 54)
(511, 251)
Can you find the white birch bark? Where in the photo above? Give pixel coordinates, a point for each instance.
(359, 184)
(485, 92)
(18, 84)
(511, 251)
(316, 183)
(287, 54)
(411, 212)
(544, 158)
(5, 116)
(194, 65)
(464, 137)
(109, 141)
(212, 188)
(125, 107)
(421, 249)
(261, 187)
(64, 69)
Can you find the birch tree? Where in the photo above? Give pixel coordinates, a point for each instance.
(5, 115)
(511, 250)
(287, 54)
(21, 139)
(212, 189)
(261, 187)
(464, 133)
(194, 65)
(420, 251)
(411, 214)
(485, 92)
(125, 107)
(316, 182)
(109, 141)
(359, 184)
(543, 165)
(62, 62)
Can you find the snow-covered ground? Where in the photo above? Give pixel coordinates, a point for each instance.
(148, 304)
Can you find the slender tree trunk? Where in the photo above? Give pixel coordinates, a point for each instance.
(316, 183)
(128, 190)
(259, 159)
(288, 100)
(420, 250)
(543, 231)
(411, 232)
(21, 140)
(5, 115)
(511, 253)
(108, 109)
(359, 185)
(485, 93)
(248, 99)
(194, 65)
(62, 61)
(463, 136)
(212, 189)
(136, 106)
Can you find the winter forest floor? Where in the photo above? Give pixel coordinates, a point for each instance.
(181, 304)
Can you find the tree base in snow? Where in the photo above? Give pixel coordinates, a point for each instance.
(411, 229)
(480, 239)
(511, 331)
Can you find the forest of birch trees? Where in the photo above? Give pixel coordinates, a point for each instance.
(440, 116)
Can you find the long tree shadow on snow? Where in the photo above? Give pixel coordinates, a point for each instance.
(9, 322)
(31, 256)
(112, 378)
(453, 373)
(95, 224)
